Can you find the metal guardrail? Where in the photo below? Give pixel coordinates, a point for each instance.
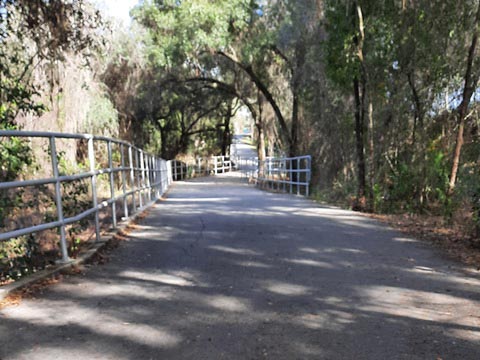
(201, 167)
(144, 176)
(141, 174)
(288, 174)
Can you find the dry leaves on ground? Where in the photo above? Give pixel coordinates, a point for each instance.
(451, 238)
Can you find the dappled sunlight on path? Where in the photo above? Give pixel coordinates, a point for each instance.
(222, 270)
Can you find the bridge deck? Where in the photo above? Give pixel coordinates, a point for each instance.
(223, 270)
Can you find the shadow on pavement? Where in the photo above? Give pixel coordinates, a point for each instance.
(226, 271)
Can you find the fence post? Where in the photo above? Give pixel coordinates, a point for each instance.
(151, 166)
(91, 160)
(132, 179)
(290, 177)
(139, 167)
(58, 202)
(124, 181)
(269, 176)
(153, 169)
(309, 174)
(297, 175)
(146, 177)
(152, 176)
(112, 184)
(162, 177)
(169, 172)
(216, 164)
(155, 175)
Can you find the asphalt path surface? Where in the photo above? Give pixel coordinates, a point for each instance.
(221, 270)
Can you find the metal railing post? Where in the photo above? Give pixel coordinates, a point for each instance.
(309, 174)
(151, 167)
(163, 177)
(112, 184)
(58, 201)
(169, 172)
(290, 175)
(124, 180)
(155, 177)
(146, 177)
(139, 168)
(91, 160)
(132, 179)
(297, 176)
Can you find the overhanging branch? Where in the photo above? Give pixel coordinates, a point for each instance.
(264, 90)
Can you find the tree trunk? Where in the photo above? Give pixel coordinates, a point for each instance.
(418, 112)
(359, 90)
(293, 150)
(163, 143)
(300, 54)
(360, 147)
(469, 87)
(418, 137)
(259, 124)
(261, 148)
(226, 136)
(371, 148)
(265, 92)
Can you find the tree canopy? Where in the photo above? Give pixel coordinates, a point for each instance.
(383, 95)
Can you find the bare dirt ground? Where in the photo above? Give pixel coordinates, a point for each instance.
(453, 239)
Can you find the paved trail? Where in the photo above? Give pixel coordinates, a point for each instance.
(224, 271)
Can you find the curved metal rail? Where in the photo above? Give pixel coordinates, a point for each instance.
(141, 174)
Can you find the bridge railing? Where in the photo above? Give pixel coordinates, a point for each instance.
(137, 180)
(201, 166)
(287, 174)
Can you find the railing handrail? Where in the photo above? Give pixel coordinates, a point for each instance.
(149, 179)
(271, 168)
(201, 166)
(60, 135)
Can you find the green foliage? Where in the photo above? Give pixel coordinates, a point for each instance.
(102, 117)
(16, 155)
(24, 255)
(181, 31)
(437, 171)
(16, 257)
(341, 58)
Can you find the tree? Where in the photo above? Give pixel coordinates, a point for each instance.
(33, 32)
(471, 77)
